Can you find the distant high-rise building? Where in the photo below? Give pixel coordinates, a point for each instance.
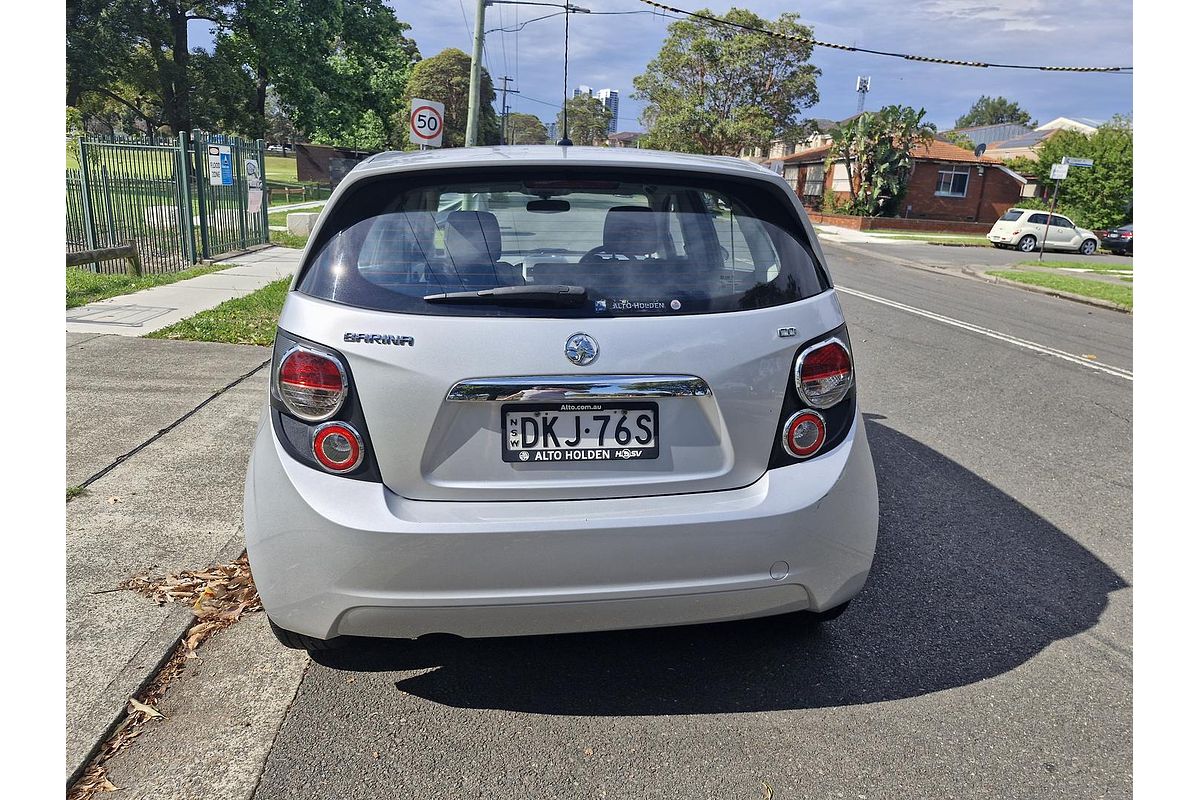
(552, 131)
(610, 97)
(612, 101)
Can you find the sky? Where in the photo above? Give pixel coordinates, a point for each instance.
(608, 50)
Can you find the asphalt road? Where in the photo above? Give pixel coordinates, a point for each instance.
(989, 655)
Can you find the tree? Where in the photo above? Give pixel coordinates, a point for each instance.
(446, 78)
(587, 120)
(958, 139)
(330, 61)
(715, 88)
(876, 150)
(526, 129)
(1099, 197)
(994, 111)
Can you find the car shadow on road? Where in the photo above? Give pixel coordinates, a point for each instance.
(967, 584)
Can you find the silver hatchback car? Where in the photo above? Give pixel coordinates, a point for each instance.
(522, 390)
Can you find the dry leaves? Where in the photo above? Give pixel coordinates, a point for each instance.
(218, 597)
(150, 712)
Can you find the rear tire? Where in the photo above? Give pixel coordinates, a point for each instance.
(811, 619)
(1027, 244)
(298, 641)
(1088, 247)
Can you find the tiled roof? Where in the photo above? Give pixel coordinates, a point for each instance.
(812, 154)
(937, 150)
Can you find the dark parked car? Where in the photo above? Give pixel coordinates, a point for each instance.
(1119, 240)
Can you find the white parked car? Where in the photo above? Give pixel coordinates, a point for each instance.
(1025, 228)
(523, 390)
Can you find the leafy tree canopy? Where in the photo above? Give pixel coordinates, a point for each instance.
(526, 129)
(587, 120)
(994, 111)
(1100, 197)
(446, 78)
(876, 150)
(715, 88)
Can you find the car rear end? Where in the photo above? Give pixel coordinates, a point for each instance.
(558, 395)
(1119, 240)
(1007, 230)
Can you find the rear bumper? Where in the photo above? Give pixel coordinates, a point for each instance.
(339, 557)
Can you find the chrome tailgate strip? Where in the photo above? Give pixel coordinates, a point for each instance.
(552, 388)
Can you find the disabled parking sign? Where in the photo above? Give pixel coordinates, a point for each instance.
(220, 165)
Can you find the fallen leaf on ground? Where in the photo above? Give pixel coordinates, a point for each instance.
(1089, 356)
(114, 500)
(149, 711)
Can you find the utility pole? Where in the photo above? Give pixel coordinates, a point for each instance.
(476, 59)
(504, 92)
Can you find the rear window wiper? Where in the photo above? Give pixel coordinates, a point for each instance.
(542, 295)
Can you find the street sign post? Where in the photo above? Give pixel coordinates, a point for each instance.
(1058, 171)
(1078, 162)
(425, 122)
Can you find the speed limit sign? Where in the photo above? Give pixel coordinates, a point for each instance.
(425, 123)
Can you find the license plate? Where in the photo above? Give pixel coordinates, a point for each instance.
(568, 433)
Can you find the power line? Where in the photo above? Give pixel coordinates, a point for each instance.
(906, 56)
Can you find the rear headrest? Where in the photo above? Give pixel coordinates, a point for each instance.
(472, 237)
(630, 230)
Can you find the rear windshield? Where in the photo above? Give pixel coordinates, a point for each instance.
(1011, 216)
(625, 243)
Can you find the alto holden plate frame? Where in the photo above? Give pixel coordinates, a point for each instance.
(560, 422)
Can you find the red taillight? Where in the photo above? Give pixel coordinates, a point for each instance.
(1126, 234)
(311, 385)
(337, 447)
(804, 433)
(824, 374)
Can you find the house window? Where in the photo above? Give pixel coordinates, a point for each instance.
(814, 181)
(841, 178)
(952, 181)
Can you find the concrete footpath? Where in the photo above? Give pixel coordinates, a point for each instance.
(150, 309)
(161, 433)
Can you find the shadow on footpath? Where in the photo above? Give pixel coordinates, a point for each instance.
(967, 584)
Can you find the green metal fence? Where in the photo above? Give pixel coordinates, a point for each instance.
(145, 191)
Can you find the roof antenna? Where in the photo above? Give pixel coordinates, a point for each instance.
(565, 141)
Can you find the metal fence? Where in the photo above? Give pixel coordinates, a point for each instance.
(146, 191)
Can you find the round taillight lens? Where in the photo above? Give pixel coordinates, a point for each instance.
(824, 374)
(311, 385)
(804, 433)
(337, 447)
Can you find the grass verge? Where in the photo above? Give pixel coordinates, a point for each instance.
(85, 287)
(1092, 267)
(1112, 292)
(244, 320)
(285, 239)
(949, 238)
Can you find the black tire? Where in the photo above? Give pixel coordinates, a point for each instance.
(298, 641)
(811, 619)
(998, 245)
(1027, 244)
(1088, 247)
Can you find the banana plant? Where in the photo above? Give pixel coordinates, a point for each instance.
(876, 150)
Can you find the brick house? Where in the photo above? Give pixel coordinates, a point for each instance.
(947, 183)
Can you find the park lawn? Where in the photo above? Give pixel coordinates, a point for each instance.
(281, 169)
(1101, 290)
(243, 320)
(1093, 267)
(85, 287)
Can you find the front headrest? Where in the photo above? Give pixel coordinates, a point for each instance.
(473, 237)
(630, 230)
